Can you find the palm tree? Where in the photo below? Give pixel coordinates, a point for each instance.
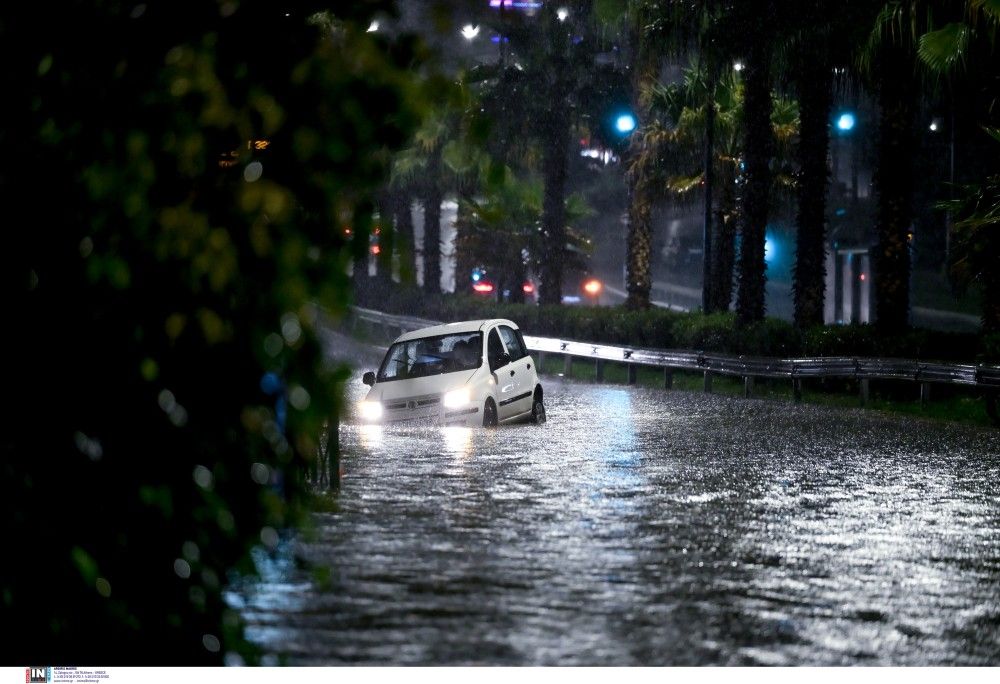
(641, 195)
(531, 97)
(812, 57)
(444, 157)
(418, 169)
(975, 212)
(501, 229)
(672, 144)
(976, 248)
(758, 148)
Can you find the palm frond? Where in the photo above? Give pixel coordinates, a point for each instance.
(943, 49)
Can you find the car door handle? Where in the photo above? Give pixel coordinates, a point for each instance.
(529, 366)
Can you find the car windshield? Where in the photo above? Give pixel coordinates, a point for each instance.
(432, 356)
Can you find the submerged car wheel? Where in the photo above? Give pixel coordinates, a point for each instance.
(538, 412)
(490, 414)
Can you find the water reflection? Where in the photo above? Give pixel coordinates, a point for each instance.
(650, 527)
(457, 440)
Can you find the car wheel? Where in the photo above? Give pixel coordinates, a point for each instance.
(538, 412)
(490, 414)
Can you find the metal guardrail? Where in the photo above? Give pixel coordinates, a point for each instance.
(748, 367)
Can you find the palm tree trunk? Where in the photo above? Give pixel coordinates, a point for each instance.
(757, 150)
(638, 278)
(554, 206)
(385, 239)
(638, 261)
(815, 84)
(404, 237)
(432, 225)
(894, 188)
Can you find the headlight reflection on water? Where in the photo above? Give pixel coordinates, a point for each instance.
(457, 440)
(371, 436)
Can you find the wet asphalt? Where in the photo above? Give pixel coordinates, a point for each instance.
(646, 527)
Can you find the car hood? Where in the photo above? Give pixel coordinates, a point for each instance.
(417, 387)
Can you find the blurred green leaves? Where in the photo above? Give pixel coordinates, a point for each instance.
(196, 163)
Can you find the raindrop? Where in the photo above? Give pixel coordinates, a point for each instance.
(260, 473)
(211, 643)
(299, 397)
(181, 568)
(233, 659)
(32, 280)
(227, 9)
(191, 551)
(138, 11)
(203, 477)
(253, 172)
(103, 587)
(86, 247)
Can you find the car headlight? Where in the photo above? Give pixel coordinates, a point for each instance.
(456, 398)
(370, 410)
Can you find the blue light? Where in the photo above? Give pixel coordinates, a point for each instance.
(625, 123)
(770, 249)
(846, 121)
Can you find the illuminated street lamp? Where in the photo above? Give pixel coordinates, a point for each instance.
(592, 287)
(469, 31)
(625, 123)
(846, 122)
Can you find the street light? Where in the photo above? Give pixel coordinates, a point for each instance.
(469, 31)
(846, 122)
(625, 123)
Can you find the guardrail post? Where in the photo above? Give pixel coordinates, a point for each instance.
(863, 392)
(631, 374)
(333, 451)
(747, 386)
(707, 382)
(668, 378)
(925, 393)
(568, 365)
(797, 390)
(599, 369)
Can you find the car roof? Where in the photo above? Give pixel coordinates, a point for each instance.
(452, 328)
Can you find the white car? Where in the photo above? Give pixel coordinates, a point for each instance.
(469, 373)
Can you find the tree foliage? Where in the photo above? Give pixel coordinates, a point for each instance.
(197, 163)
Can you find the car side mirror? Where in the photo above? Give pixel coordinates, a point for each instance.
(368, 378)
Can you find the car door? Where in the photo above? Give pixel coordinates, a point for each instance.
(504, 373)
(520, 369)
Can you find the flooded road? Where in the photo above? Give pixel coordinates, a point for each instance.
(649, 527)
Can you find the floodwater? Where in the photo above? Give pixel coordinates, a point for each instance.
(648, 527)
